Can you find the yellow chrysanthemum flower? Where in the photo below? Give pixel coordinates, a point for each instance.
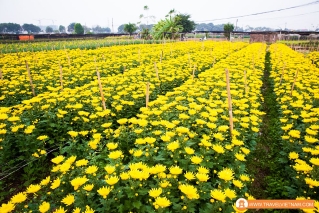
(226, 174)
(155, 192)
(44, 207)
(68, 200)
(18, 198)
(104, 191)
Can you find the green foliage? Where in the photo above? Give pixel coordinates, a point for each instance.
(31, 28)
(228, 28)
(99, 29)
(183, 20)
(145, 34)
(71, 27)
(9, 27)
(120, 29)
(78, 29)
(49, 29)
(62, 29)
(167, 28)
(130, 28)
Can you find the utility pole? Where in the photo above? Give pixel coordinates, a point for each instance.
(236, 25)
(112, 26)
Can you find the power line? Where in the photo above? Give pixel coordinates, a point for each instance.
(281, 16)
(24, 165)
(270, 11)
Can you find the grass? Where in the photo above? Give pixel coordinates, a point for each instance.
(265, 162)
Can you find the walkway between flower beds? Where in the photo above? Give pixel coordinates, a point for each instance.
(270, 163)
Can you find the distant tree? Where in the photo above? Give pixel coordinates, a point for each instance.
(78, 29)
(120, 29)
(31, 28)
(130, 28)
(62, 29)
(248, 28)
(71, 27)
(10, 27)
(183, 20)
(228, 28)
(106, 29)
(144, 26)
(49, 29)
(99, 29)
(209, 27)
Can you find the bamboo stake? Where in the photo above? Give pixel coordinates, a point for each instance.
(61, 77)
(103, 57)
(1, 77)
(293, 85)
(194, 72)
(139, 55)
(282, 73)
(147, 93)
(245, 77)
(30, 78)
(69, 60)
(100, 86)
(161, 56)
(156, 70)
(231, 124)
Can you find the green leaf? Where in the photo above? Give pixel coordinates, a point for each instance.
(137, 204)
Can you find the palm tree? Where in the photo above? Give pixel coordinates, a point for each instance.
(167, 28)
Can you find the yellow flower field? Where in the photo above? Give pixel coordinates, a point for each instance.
(180, 149)
(180, 144)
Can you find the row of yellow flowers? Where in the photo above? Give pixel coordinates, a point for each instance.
(78, 67)
(70, 44)
(314, 57)
(49, 120)
(176, 155)
(296, 86)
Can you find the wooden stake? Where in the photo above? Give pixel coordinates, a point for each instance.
(1, 77)
(194, 71)
(161, 56)
(100, 86)
(30, 78)
(69, 61)
(282, 73)
(156, 70)
(147, 93)
(61, 77)
(245, 78)
(139, 55)
(231, 124)
(293, 85)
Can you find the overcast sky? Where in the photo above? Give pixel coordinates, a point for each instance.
(101, 12)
